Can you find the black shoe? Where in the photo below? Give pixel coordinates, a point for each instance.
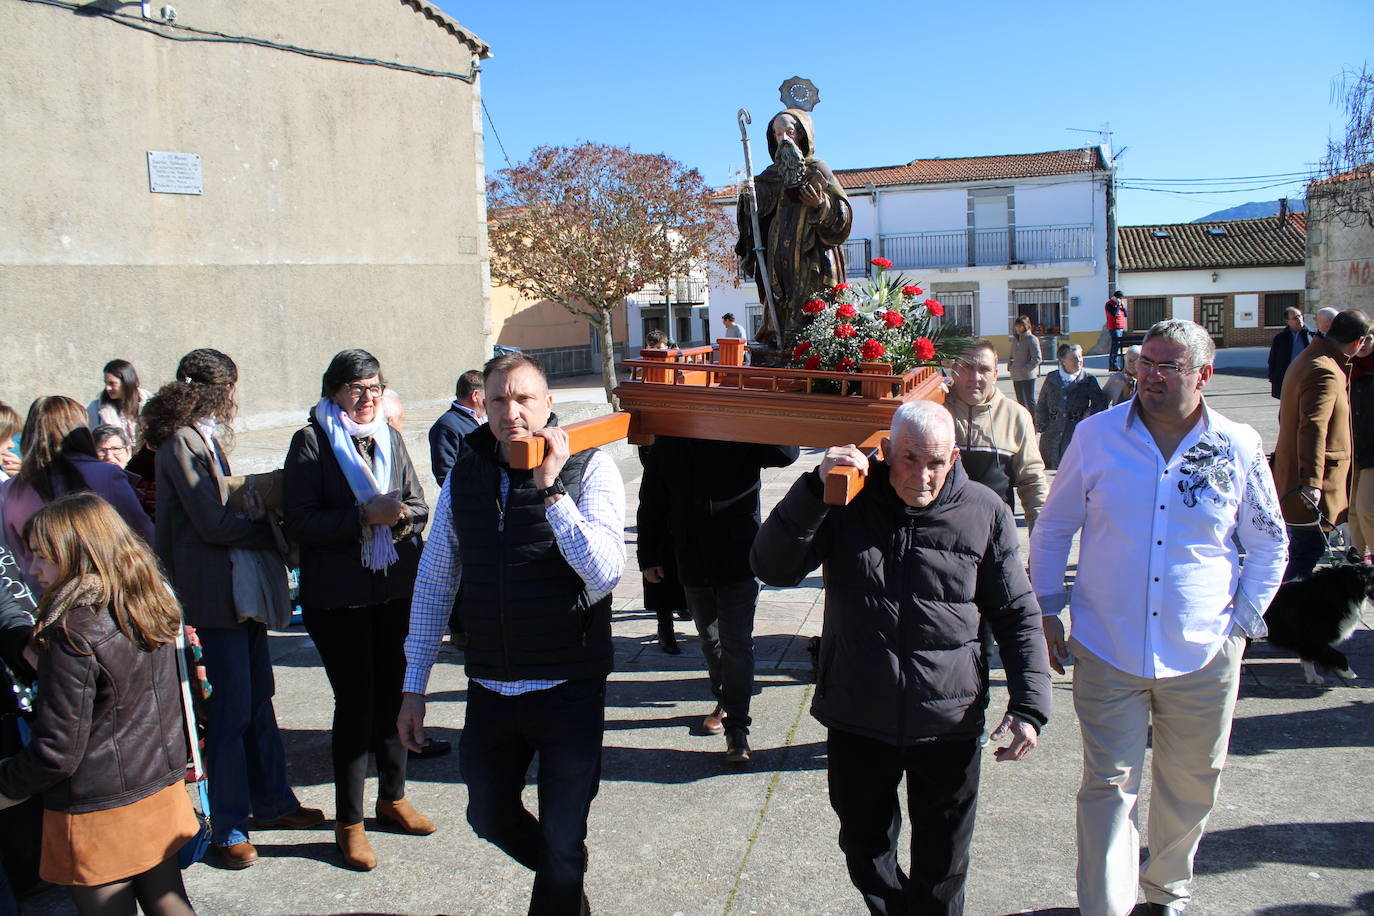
(736, 746)
(434, 747)
(667, 639)
(1162, 909)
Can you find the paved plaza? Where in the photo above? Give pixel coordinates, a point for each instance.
(676, 832)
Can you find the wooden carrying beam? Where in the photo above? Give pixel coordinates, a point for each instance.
(526, 454)
(843, 483)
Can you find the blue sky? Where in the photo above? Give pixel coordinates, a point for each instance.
(1191, 90)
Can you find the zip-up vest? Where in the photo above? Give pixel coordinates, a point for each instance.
(523, 608)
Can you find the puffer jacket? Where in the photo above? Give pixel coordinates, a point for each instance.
(905, 592)
(108, 727)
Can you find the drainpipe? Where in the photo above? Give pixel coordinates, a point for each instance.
(872, 190)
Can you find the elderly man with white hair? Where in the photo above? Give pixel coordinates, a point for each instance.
(912, 567)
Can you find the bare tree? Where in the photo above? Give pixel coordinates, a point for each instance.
(586, 226)
(1343, 183)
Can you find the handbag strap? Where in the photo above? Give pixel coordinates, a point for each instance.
(197, 773)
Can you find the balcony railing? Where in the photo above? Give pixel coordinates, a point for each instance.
(857, 254)
(988, 247)
(680, 292)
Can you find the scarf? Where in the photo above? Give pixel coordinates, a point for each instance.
(377, 550)
(78, 591)
(1069, 379)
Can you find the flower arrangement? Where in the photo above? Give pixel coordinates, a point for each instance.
(889, 319)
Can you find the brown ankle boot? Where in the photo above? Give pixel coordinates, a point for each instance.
(357, 851)
(402, 814)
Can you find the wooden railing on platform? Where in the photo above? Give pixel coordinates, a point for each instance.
(737, 403)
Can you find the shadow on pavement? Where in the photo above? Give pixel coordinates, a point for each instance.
(1341, 726)
(1344, 844)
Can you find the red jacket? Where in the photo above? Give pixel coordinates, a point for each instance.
(1116, 315)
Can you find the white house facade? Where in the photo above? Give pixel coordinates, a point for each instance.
(992, 237)
(1236, 278)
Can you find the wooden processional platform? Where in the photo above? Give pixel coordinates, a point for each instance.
(684, 393)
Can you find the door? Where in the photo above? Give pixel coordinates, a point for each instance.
(1213, 307)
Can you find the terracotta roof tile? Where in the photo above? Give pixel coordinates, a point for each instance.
(450, 25)
(966, 168)
(1355, 174)
(1222, 243)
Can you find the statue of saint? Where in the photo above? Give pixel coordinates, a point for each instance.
(804, 217)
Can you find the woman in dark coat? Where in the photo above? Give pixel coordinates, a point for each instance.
(355, 506)
(189, 423)
(1068, 395)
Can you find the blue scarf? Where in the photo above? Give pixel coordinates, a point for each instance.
(365, 482)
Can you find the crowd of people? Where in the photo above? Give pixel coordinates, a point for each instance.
(925, 584)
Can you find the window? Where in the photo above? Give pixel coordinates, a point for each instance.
(961, 310)
(1147, 310)
(1044, 307)
(1275, 304)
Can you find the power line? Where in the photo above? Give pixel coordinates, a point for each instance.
(486, 112)
(203, 35)
(1219, 180)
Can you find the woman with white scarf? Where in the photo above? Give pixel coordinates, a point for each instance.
(355, 506)
(1068, 395)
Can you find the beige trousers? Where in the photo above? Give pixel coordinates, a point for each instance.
(1361, 517)
(1191, 715)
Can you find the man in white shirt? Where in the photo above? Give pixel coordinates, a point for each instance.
(1160, 609)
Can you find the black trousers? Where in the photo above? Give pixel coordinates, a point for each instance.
(942, 796)
(1025, 394)
(724, 615)
(363, 650)
(501, 736)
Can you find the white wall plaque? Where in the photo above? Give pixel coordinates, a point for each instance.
(1247, 310)
(174, 173)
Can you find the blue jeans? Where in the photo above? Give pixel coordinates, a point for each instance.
(8, 905)
(244, 757)
(1114, 355)
(1305, 547)
(564, 726)
(724, 615)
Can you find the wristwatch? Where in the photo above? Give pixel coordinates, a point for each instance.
(556, 489)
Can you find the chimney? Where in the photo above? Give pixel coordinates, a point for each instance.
(1283, 212)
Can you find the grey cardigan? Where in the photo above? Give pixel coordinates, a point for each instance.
(1024, 362)
(195, 530)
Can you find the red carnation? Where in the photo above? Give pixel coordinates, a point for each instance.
(841, 287)
(871, 349)
(845, 330)
(881, 263)
(923, 349)
(893, 319)
(845, 365)
(846, 311)
(813, 361)
(814, 307)
(801, 348)
(934, 307)
(912, 291)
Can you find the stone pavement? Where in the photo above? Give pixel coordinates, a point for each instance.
(675, 832)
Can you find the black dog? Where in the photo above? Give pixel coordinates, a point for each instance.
(1314, 615)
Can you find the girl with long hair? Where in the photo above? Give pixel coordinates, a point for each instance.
(188, 423)
(107, 746)
(60, 458)
(120, 401)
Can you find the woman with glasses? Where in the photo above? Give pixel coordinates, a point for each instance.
(1068, 395)
(111, 445)
(355, 506)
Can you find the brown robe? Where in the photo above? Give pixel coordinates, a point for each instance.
(1314, 445)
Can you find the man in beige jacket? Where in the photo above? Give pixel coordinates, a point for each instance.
(995, 435)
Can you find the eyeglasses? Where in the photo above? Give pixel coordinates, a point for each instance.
(110, 451)
(371, 391)
(1144, 366)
